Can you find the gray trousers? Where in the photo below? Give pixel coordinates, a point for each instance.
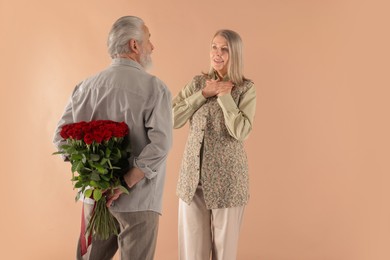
(136, 240)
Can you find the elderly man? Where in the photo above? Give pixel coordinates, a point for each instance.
(126, 92)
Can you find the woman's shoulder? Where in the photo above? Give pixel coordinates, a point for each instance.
(247, 84)
(201, 77)
(199, 80)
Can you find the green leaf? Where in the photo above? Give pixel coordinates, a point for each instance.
(95, 176)
(97, 195)
(77, 166)
(109, 163)
(78, 184)
(93, 184)
(77, 196)
(65, 146)
(105, 177)
(84, 160)
(59, 152)
(88, 193)
(87, 169)
(76, 157)
(108, 152)
(74, 166)
(104, 185)
(103, 161)
(123, 189)
(118, 153)
(100, 169)
(95, 157)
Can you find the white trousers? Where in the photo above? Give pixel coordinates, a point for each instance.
(208, 233)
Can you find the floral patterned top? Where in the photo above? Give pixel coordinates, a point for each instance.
(214, 155)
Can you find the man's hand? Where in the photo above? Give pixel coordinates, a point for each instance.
(110, 198)
(132, 177)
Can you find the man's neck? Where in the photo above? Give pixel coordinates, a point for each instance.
(130, 56)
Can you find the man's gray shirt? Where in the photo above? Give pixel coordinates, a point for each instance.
(126, 92)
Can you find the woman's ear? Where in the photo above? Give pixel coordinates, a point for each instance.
(133, 46)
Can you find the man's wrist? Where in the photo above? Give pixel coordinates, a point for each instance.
(123, 181)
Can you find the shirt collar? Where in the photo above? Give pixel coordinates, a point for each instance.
(126, 62)
(215, 76)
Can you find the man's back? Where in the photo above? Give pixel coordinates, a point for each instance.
(126, 92)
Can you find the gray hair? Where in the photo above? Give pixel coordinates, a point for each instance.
(122, 31)
(235, 64)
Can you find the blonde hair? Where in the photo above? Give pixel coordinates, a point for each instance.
(235, 64)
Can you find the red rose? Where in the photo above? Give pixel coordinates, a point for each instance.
(121, 130)
(78, 134)
(98, 136)
(107, 135)
(110, 126)
(96, 130)
(95, 123)
(64, 133)
(87, 129)
(88, 138)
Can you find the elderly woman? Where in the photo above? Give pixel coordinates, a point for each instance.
(213, 181)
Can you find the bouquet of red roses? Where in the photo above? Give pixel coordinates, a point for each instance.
(98, 151)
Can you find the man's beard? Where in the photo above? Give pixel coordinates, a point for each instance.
(146, 60)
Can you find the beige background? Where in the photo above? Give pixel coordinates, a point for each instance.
(319, 151)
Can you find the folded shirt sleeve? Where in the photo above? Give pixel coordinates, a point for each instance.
(159, 124)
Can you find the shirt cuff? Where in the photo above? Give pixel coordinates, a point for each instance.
(196, 100)
(228, 105)
(149, 173)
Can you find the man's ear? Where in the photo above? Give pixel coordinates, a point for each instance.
(133, 46)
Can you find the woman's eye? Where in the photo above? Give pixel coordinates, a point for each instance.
(225, 49)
